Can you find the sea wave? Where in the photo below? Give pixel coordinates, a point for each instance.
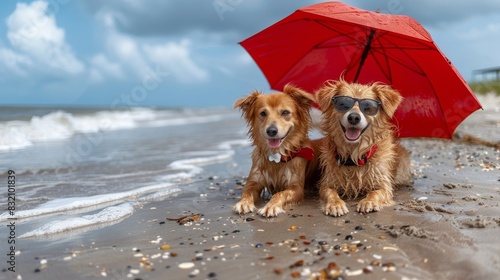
(74, 203)
(106, 216)
(60, 124)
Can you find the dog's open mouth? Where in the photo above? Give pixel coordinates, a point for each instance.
(274, 143)
(353, 133)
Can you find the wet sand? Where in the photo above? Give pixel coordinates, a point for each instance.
(444, 227)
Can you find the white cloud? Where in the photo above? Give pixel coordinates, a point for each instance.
(126, 51)
(176, 59)
(102, 67)
(138, 55)
(13, 62)
(35, 36)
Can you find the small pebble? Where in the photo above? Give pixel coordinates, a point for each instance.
(390, 248)
(293, 227)
(186, 265)
(298, 263)
(249, 219)
(322, 243)
(194, 273)
(212, 275)
(348, 237)
(165, 247)
(358, 228)
(354, 272)
(368, 269)
(388, 267)
(259, 245)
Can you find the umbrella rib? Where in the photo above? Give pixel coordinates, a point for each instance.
(315, 47)
(422, 73)
(337, 31)
(364, 55)
(318, 44)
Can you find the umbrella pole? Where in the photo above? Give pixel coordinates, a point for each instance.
(365, 54)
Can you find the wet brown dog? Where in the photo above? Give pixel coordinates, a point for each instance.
(283, 157)
(359, 155)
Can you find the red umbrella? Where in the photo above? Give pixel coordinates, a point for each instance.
(327, 40)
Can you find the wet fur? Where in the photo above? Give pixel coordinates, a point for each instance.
(284, 180)
(387, 168)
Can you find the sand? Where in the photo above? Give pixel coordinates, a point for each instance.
(446, 226)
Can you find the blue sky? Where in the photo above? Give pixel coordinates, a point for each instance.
(176, 53)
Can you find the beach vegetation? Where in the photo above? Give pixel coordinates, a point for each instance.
(485, 87)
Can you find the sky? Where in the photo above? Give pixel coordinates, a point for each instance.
(185, 53)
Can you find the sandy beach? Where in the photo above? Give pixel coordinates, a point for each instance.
(444, 227)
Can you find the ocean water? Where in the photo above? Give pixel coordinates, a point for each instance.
(76, 169)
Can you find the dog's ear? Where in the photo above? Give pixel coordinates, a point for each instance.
(246, 103)
(389, 97)
(325, 94)
(303, 98)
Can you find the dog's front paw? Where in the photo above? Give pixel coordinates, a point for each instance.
(271, 210)
(335, 208)
(367, 205)
(244, 207)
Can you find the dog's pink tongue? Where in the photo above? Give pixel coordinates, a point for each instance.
(352, 133)
(273, 143)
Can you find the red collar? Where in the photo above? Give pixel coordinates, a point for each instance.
(306, 152)
(349, 162)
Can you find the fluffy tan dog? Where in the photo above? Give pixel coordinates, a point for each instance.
(359, 155)
(283, 156)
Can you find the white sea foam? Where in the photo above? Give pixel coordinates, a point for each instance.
(160, 195)
(105, 216)
(191, 166)
(60, 125)
(73, 203)
(184, 121)
(230, 144)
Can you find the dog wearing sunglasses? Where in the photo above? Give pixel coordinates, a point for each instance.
(283, 160)
(359, 155)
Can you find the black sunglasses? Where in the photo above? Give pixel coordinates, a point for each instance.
(368, 106)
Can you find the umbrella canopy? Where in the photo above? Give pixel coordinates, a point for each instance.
(329, 40)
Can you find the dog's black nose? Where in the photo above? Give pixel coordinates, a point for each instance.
(354, 118)
(272, 131)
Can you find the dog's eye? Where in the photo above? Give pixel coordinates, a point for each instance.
(285, 113)
(263, 114)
